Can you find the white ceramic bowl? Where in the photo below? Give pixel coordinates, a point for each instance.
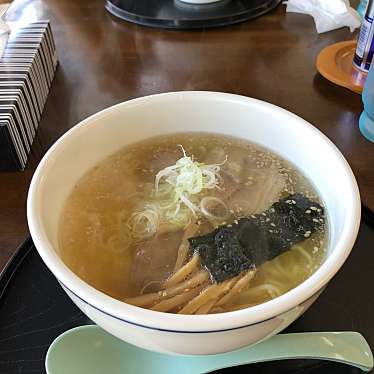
(107, 131)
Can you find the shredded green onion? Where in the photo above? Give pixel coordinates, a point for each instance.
(144, 223)
(214, 208)
(177, 195)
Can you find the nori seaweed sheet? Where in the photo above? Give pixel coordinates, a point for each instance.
(253, 240)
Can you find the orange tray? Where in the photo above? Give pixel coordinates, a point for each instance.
(335, 64)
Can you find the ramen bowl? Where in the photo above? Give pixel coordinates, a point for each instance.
(109, 130)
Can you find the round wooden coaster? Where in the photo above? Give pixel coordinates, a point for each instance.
(335, 64)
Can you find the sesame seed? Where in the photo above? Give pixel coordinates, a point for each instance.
(315, 220)
(267, 219)
(308, 211)
(272, 224)
(313, 208)
(236, 221)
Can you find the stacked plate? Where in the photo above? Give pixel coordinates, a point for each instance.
(27, 67)
(189, 14)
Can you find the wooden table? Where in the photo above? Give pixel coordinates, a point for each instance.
(104, 61)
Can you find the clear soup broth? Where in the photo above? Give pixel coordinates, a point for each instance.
(193, 223)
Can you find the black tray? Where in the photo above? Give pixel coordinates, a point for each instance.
(34, 310)
(174, 14)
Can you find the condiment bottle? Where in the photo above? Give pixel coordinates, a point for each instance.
(365, 44)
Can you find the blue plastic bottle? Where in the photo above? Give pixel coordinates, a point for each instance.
(366, 121)
(362, 8)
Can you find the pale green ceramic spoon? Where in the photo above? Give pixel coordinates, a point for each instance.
(90, 350)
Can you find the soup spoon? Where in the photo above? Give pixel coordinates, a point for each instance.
(91, 350)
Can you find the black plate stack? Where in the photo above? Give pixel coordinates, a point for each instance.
(175, 14)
